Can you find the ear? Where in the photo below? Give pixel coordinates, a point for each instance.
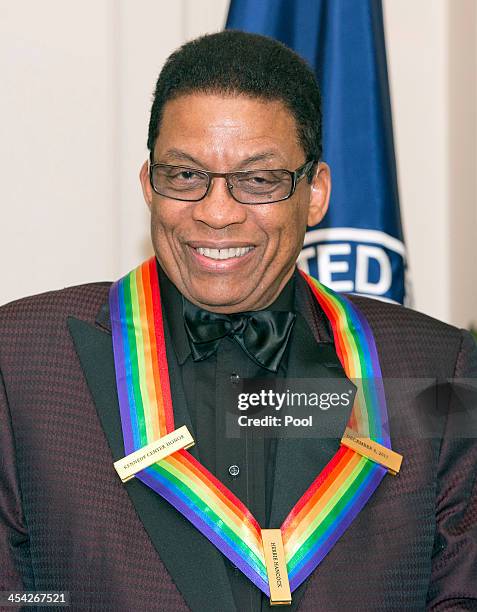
(146, 183)
(319, 194)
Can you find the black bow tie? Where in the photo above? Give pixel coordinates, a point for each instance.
(263, 334)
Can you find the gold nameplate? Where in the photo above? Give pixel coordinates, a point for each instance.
(372, 450)
(128, 466)
(280, 594)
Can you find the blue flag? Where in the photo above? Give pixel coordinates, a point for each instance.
(358, 247)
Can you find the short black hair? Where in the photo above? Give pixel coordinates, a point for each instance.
(235, 62)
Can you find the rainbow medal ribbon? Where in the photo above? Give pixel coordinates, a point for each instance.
(325, 510)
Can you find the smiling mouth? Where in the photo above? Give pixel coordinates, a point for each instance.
(223, 253)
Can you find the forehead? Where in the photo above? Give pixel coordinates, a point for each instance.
(227, 128)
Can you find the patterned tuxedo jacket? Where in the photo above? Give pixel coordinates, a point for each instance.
(67, 523)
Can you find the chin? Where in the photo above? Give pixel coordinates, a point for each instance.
(215, 293)
(213, 300)
(218, 300)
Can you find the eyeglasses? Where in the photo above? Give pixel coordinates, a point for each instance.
(246, 187)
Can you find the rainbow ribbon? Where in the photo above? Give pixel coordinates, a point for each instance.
(333, 500)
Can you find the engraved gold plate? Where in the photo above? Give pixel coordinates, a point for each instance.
(372, 450)
(280, 594)
(128, 466)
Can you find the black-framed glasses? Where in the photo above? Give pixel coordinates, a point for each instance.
(245, 186)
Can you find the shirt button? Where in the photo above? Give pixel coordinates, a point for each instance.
(234, 378)
(234, 471)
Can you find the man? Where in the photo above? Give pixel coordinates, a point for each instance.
(234, 178)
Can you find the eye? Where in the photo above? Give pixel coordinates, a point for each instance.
(174, 180)
(258, 177)
(185, 175)
(178, 177)
(260, 181)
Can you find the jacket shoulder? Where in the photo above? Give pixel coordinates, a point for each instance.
(410, 342)
(81, 301)
(388, 315)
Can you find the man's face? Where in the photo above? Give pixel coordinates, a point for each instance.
(227, 134)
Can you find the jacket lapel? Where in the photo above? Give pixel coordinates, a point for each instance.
(312, 356)
(195, 565)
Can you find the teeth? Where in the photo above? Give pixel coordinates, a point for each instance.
(224, 253)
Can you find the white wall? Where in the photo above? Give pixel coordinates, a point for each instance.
(58, 219)
(77, 80)
(432, 60)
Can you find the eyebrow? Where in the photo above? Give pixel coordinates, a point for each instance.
(177, 154)
(172, 155)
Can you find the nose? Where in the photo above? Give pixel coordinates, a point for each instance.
(218, 209)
